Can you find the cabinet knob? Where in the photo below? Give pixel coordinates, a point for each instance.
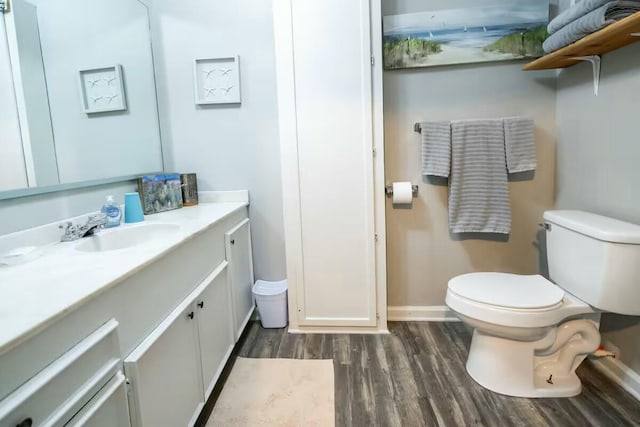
(190, 315)
(233, 242)
(25, 423)
(201, 304)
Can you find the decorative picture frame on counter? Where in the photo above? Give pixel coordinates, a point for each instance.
(102, 90)
(160, 193)
(217, 80)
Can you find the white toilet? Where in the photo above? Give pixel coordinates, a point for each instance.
(530, 334)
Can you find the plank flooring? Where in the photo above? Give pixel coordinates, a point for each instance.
(416, 376)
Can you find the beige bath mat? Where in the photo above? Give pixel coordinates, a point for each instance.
(276, 392)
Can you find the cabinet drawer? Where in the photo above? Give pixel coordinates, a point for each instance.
(59, 391)
(108, 408)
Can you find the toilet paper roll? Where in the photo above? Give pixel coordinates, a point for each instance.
(402, 193)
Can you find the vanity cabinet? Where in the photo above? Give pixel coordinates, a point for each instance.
(150, 345)
(69, 384)
(173, 371)
(238, 253)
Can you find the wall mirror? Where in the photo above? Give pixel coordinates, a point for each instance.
(77, 94)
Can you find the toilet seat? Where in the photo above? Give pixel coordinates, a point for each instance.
(507, 290)
(512, 300)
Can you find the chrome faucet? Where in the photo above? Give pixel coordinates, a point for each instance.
(74, 232)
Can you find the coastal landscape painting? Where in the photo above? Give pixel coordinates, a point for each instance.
(461, 36)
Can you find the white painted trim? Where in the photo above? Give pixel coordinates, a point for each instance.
(620, 374)
(367, 113)
(378, 164)
(239, 196)
(287, 120)
(427, 313)
(336, 330)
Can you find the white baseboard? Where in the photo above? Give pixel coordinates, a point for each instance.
(336, 330)
(620, 373)
(430, 313)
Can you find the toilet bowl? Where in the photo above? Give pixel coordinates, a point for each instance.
(516, 348)
(530, 334)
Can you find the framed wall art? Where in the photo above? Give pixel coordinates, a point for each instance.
(461, 36)
(102, 90)
(217, 80)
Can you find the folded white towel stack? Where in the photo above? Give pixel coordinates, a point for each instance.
(436, 148)
(478, 187)
(520, 144)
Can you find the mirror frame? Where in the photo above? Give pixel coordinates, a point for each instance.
(34, 191)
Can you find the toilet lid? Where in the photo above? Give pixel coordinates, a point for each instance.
(507, 290)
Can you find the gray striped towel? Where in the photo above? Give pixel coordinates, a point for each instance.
(574, 12)
(590, 23)
(436, 148)
(478, 188)
(520, 144)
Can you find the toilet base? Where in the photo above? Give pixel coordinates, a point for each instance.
(509, 367)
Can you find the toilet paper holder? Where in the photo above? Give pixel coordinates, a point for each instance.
(388, 190)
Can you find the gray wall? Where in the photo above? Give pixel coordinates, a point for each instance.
(228, 146)
(421, 255)
(597, 158)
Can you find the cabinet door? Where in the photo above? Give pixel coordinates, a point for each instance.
(214, 316)
(326, 134)
(165, 374)
(106, 409)
(238, 248)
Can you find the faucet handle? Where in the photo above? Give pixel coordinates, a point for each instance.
(65, 225)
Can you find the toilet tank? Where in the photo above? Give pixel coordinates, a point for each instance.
(595, 258)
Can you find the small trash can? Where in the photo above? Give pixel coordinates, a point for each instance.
(271, 299)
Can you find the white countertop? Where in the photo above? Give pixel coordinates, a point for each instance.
(35, 294)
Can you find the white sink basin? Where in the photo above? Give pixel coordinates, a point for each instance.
(128, 237)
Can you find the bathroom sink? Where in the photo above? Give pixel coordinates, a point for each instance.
(128, 237)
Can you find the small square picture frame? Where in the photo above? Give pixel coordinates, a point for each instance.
(217, 80)
(102, 89)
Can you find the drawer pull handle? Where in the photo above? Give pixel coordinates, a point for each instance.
(201, 304)
(190, 315)
(26, 423)
(233, 242)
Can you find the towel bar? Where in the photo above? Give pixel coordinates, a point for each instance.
(388, 190)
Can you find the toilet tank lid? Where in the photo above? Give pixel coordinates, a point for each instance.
(596, 226)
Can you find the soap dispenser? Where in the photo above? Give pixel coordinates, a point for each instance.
(113, 212)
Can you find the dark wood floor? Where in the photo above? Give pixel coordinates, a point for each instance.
(416, 377)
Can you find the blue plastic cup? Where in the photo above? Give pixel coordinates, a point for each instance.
(132, 208)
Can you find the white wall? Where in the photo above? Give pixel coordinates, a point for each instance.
(228, 146)
(598, 158)
(13, 173)
(421, 254)
(79, 35)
